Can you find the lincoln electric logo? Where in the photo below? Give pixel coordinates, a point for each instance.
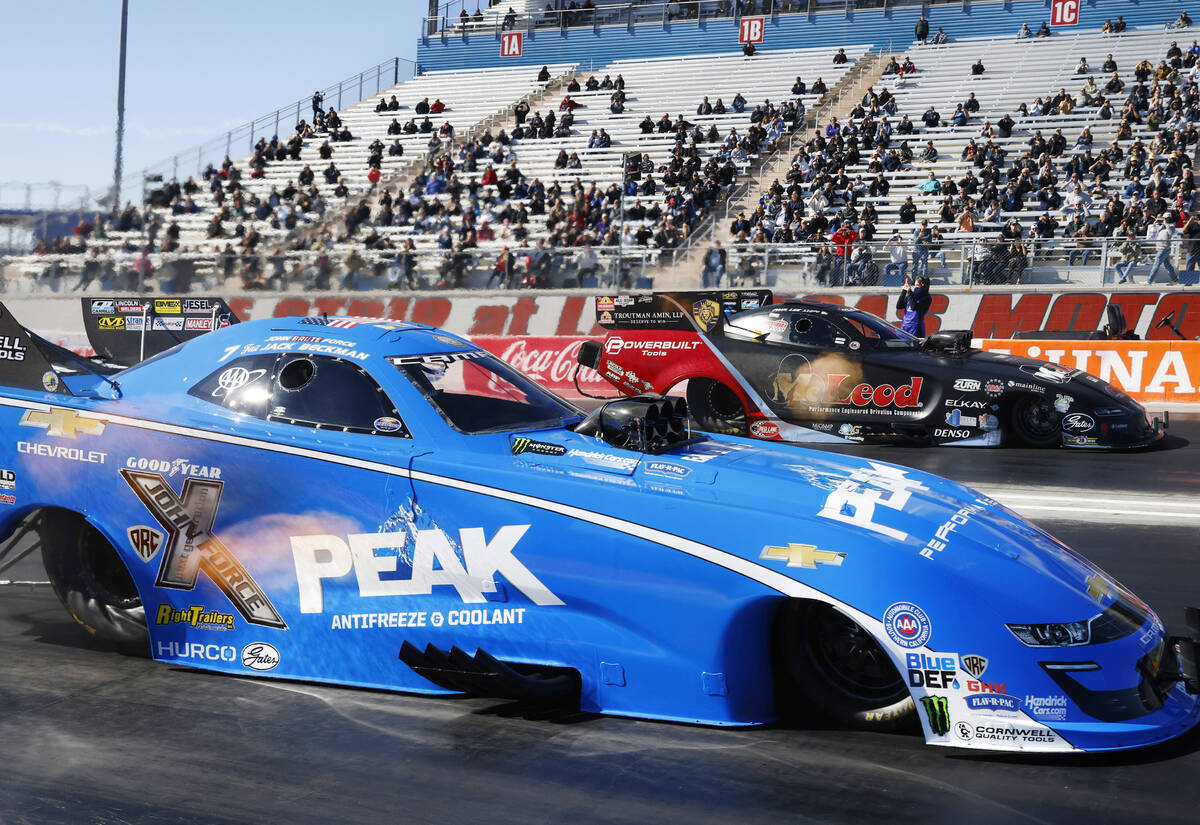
(190, 546)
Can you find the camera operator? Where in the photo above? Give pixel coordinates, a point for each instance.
(914, 302)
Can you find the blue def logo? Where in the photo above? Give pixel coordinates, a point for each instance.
(907, 625)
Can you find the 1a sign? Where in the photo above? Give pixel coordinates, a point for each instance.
(751, 30)
(1064, 13)
(510, 44)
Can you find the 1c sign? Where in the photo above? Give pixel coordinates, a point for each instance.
(510, 44)
(1064, 13)
(751, 30)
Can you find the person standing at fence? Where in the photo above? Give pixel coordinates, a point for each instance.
(1162, 232)
(715, 261)
(922, 238)
(897, 257)
(1191, 243)
(914, 302)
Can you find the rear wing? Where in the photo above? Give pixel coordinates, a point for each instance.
(701, 311)
(127, 331)
(25, 359)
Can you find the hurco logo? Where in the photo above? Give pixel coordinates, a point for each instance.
(434, 563)
(865, 395)
(191, 546)
(937, 713)
(195, 616)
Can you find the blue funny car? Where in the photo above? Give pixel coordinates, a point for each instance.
(382, 504)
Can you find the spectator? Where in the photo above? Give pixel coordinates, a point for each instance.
(1182, 22)
(437, 107)
(1043, 30)
(317, 99)
(977, 68)
(818, 88)
(715, 261)
(510, 20)
(897, 257)
(1082, 67)
(544, 74)
(1130, 252)
(1119, 26)
(748, 50)
(1024, 32)
(931, 185)
(914, 303)
(840, 57)
(922, 239)
(940, 37)
(921, 30)
(1162, 232)
(422, 108)
(1107, 28)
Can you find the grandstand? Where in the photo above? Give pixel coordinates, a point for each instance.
(576, 202)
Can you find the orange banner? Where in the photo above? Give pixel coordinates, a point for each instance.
(1147, 370)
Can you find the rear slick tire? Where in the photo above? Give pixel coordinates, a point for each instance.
(1034, 422)
(839, 668)
(91, 581)
(715, 408)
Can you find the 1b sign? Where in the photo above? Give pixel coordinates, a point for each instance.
(1064, 13)
(510, 44)
(751, 30)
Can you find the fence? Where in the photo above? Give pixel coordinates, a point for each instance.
(127, 272)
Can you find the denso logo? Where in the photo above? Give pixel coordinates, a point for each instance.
(617, 345)
(323, 557)
(865, 395)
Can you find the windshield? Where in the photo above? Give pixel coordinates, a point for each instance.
(478, 393)
(818, 325)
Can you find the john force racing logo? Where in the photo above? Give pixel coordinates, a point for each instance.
(191, 547)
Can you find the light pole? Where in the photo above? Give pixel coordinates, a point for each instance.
(116, 200)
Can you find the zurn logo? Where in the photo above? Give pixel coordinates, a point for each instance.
(434, 564)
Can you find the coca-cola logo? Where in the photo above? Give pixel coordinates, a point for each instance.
(868, 395)
(549, 361)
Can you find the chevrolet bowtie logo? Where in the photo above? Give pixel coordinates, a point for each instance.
(60, 421)
(803, 555)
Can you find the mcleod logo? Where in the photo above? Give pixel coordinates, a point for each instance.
(937, 713)
(866, 395)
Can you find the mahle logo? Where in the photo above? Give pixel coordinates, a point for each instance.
(937, 712)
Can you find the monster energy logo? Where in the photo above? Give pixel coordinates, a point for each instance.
(937, 711)
(521, 444)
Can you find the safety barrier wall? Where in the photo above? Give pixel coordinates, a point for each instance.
(880, 27)
(987, 312)
(1156, 371)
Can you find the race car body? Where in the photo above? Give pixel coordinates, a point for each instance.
(813, 371)
(384, 505)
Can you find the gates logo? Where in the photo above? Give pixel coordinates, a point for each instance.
(145, 541)
(866, 395)
(1078, 423)
(260, 656)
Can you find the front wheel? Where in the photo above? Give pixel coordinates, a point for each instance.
(1035, 422)
(715, 407)
(840, 669)
(91, 581)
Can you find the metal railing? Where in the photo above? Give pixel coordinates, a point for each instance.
(964, 261)
(450, 21)
(240, 140)
(345, 268)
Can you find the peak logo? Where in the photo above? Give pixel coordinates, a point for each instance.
(434, 564)
(867, 395)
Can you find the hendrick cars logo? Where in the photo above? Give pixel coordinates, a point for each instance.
(867, 395)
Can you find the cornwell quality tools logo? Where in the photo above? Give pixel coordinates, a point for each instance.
(62, 422)
(937, 712)
(803, 555)
(191, 547)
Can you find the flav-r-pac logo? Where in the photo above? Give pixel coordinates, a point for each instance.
(191, 547)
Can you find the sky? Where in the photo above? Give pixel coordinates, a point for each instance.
(193, 71)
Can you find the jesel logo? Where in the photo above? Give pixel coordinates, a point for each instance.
(434, 563)
(866, 395)
(191, 546)
(937, 712)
